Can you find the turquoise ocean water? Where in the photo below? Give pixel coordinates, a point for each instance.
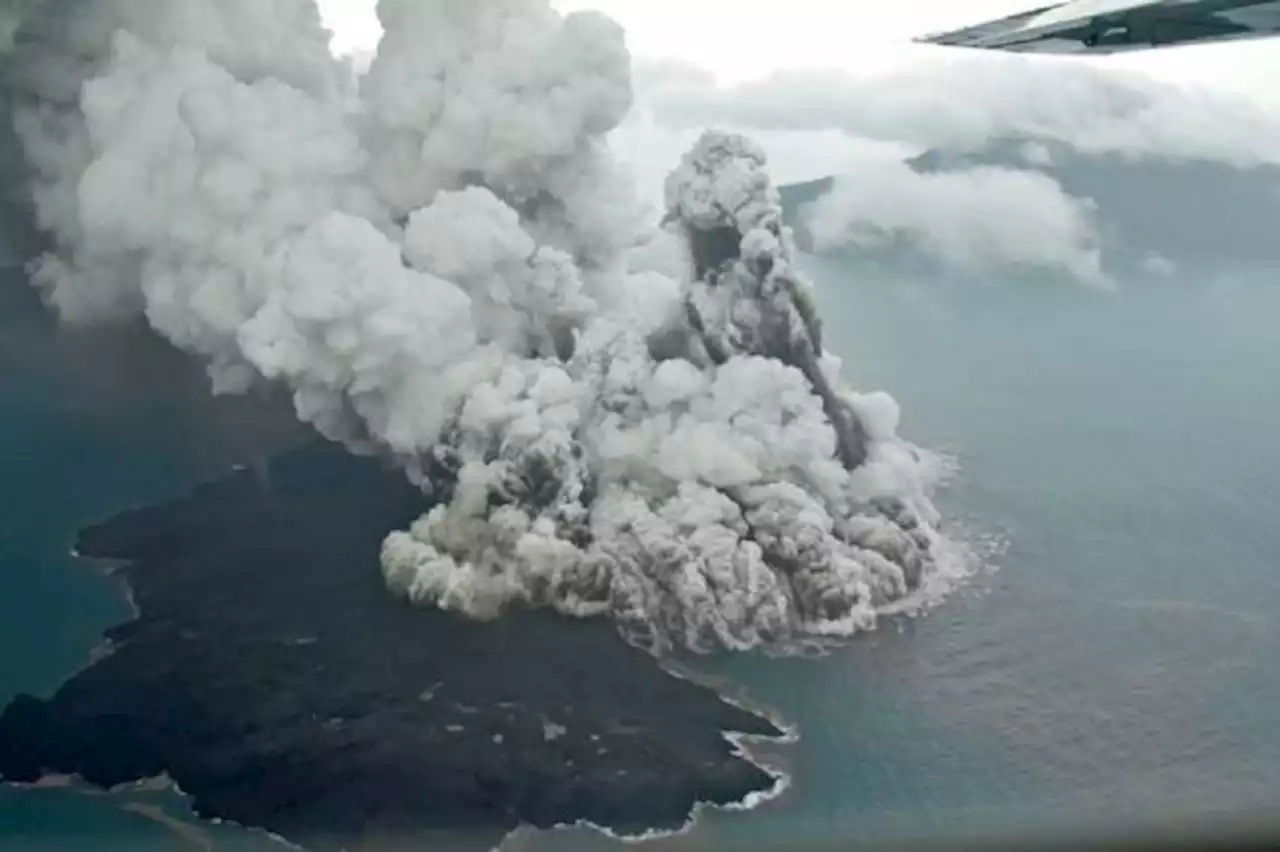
(1120, 663)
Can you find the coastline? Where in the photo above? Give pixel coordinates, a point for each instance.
(741, 743)
(727, 691)
(189, 834)
(722, 786)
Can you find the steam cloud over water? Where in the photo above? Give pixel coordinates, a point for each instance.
(618, 418)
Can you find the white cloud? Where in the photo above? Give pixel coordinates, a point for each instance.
(977, 220)
(966, 99)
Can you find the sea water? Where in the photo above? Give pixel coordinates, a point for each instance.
(1115, 666)
(1118, 665)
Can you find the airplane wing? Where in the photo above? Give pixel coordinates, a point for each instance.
(1112, 26)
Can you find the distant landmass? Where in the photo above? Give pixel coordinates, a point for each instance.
(272, 677)
(1190, 213)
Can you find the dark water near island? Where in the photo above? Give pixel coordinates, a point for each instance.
(1119, 665)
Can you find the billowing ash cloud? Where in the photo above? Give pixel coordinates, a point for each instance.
(450, 268)
(703, 481)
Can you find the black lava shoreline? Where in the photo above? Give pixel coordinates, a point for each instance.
(272, 677)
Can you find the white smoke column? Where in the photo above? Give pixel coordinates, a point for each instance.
(253, 233)
(79, 61)
(705, 483)
(442, 270)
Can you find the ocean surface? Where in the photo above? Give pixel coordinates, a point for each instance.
(1118, 662)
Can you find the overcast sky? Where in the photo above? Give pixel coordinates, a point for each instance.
(738, 41)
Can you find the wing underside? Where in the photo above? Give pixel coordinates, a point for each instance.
(1112, 26)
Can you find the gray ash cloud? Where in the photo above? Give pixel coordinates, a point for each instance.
(447, 266)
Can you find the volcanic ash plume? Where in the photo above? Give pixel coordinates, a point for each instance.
(704, 481)
(614, 419)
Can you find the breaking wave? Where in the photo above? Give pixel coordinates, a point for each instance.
(445, 264)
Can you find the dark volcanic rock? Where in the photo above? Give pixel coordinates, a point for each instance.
(273, 677)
